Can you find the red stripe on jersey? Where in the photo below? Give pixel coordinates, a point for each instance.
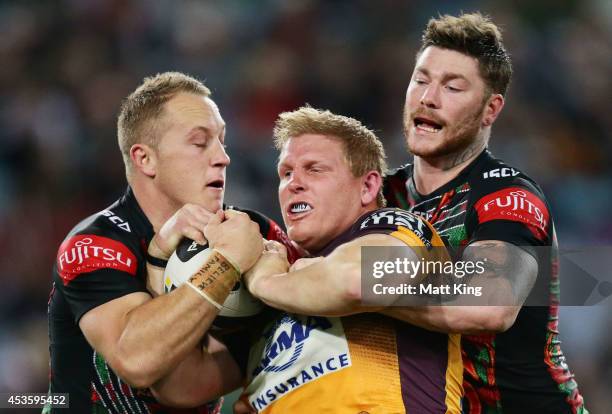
(95, 397)
(515, 204)
(86, 252)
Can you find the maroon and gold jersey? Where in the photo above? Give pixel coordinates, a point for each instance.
(523, 369)
(365, 363)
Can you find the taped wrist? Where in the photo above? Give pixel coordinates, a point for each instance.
(215, 279)
(156, 261)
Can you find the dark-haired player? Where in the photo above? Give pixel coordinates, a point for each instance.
(513, 362)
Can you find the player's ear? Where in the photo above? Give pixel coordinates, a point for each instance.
(494, 105)
(371, 183)
(144, 159)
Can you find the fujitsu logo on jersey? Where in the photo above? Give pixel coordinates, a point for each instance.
(515, 204)
(517, 200)
(86, 253)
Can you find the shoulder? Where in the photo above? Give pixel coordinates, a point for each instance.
(397, 176)
(113, 222)
(388, 218)
(104, 240)
(394, 185)
(392, 220)
(402, 171)
(495, 175)
(497, 185)
(502, 192)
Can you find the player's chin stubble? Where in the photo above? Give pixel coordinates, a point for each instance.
(459, 144)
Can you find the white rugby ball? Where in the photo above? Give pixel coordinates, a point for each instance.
(187, 260)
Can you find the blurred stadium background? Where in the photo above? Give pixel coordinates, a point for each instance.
(66, 65)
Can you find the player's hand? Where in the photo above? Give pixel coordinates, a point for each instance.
(302, 263)
(236, 237)
(189, 221)
(273, 261)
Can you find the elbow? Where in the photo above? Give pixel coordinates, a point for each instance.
(134, 371)
(350, 288)
(351, 293)
(497, 320)
(481, 320)
(501, 321)
(177, 399)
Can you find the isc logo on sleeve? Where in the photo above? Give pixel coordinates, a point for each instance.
(500, 173)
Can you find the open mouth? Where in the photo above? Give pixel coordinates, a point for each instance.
(300, 207)
(216, 184)
(427, 125)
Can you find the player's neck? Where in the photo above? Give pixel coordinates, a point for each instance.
(321, 244)
(432, 173)
(155, 206)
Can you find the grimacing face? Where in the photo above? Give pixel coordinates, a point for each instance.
(444, 105)
(191, 158)
(319, 196)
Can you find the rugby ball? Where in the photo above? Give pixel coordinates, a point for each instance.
(187, 260)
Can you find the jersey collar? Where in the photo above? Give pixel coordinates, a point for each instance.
(144, 225)
(461, 178)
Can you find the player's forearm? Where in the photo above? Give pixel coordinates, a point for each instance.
(326, 288)
(155, 280)
(160, 333)
(479, 319)
(508, 276)
(457, 319)
(329, 287)
(201, 377)
(428, 317)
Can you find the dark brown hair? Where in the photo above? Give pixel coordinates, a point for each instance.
(477, 36)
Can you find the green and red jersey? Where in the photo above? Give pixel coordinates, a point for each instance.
(523, 369)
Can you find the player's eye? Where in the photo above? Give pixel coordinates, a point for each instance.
(201, 142)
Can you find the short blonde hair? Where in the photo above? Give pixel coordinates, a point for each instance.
(139, 111)
(362, 148)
